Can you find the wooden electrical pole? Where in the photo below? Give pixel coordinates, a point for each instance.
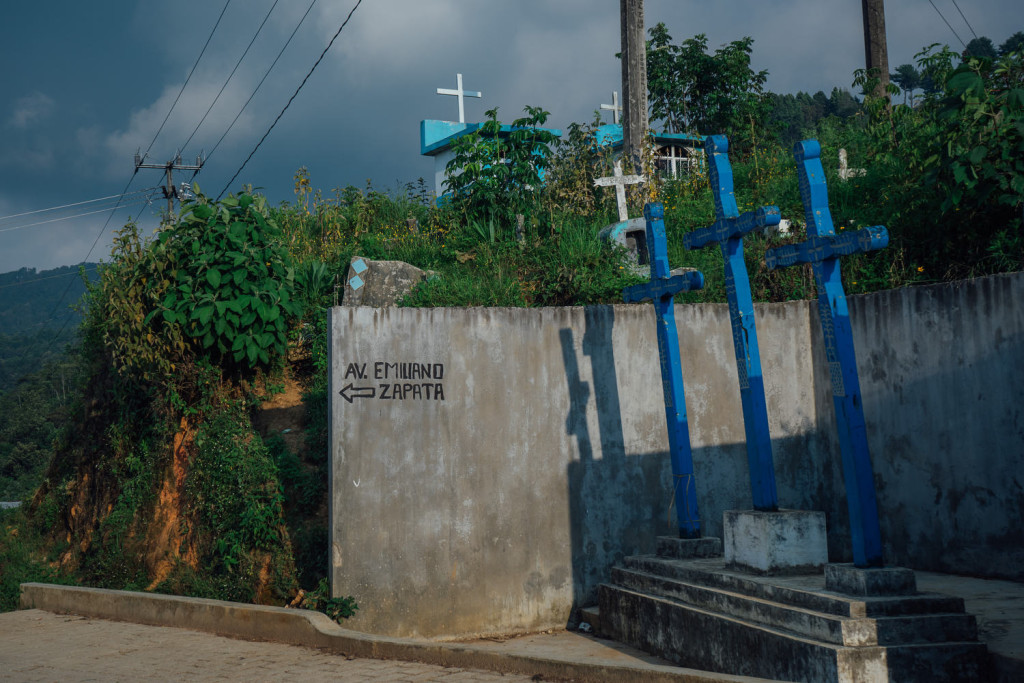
(170, 191)
(634, 82)
(875, 52)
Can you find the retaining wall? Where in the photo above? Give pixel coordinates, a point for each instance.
(524, 451)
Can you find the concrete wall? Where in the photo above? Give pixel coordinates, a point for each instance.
(501, 507)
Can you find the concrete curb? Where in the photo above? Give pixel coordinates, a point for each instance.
(313, 629)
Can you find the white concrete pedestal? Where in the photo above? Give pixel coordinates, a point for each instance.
(780, 542)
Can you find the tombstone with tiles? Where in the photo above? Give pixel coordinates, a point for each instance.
(767, 608)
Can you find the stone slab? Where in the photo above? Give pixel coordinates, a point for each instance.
(379, 283)
(688, 548)
(805, 591)
(780, 542)
(870, 581)
(726, 644)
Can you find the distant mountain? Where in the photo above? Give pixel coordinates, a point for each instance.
(31, 300)
(36, 317)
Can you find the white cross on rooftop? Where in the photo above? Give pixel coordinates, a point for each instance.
(614, 107)
(461, 94)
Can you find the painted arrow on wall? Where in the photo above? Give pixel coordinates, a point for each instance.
(349, 393)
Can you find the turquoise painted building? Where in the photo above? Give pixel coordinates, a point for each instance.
(675, 154)
(437, 137)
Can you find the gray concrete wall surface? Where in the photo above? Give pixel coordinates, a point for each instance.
(520, 453)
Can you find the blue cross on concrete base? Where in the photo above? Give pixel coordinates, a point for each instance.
(728, 231)
(822, 250)
(661, 289)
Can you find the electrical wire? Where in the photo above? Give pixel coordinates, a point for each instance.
(67, 289)
(143, 200)
(948, 24)
(65, 206)
(48, 277)
(292, 98)
(124, 192)
(259, 85)
(188, 78)
(231, 75)
(964, 18)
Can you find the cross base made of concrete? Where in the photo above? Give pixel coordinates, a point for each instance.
(775, 542)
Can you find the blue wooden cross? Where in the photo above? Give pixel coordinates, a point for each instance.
(822, 250)
(661, 289)
(728, 231)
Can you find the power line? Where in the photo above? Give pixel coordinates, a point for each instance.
(288, 104)
(188, 78)
(260, 84)
(48, 277)
(965, 19)
(231, 75)
(948, 24)
(137, 200)
(65, 206)
(124, 192)
(67, 289)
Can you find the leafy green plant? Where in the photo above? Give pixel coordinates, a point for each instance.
(229, 282)
(693, 91)
(496, 170)
(320, 600)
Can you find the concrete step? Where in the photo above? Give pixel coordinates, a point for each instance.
(829, 628)
(805, 591)
(696, 637)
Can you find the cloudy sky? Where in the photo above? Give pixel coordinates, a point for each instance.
(86, 85)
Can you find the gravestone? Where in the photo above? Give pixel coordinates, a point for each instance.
(628, 233)
(845, 172)
(661, 290)
(619, 182)
(631, 235)
(822, 250)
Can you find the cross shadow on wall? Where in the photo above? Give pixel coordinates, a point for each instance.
(606, 523)
(619, 504)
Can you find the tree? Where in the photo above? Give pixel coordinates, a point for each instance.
(692, 91)
(909, 79)
(981, 47)
(496, 169)
(1014, 43)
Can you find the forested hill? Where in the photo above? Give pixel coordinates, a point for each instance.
(37, 318)
(31, 299)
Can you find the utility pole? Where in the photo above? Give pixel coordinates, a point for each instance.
(170, 191)
(634, 82)
(875, 52)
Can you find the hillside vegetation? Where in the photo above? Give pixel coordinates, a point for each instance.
(190, 454)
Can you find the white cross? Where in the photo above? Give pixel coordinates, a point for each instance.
(620, 181)
(460, 93)
(614, 107)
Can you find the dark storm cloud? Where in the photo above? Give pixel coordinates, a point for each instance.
(93, 86)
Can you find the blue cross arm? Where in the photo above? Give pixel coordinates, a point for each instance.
(664, 287)
(725, 228)
(817, 249)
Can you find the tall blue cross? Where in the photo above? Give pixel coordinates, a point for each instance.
(728, 231)
(661, 289)
(822, 250)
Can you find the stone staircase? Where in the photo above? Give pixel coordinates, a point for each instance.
(683, 604)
